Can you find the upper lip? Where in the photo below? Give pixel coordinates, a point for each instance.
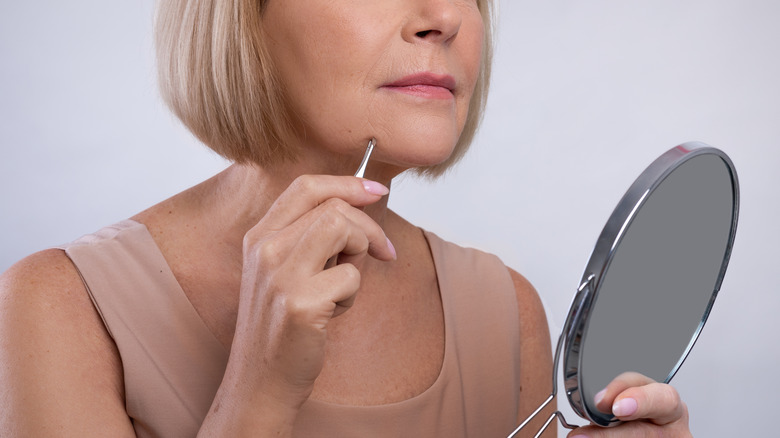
(425, 78)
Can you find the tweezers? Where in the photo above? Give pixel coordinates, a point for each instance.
(362, 168)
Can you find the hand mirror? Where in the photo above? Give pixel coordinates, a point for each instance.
(651, 280)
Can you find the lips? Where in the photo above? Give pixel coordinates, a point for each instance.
(426, 85)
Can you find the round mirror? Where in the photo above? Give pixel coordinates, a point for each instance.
(653, 275)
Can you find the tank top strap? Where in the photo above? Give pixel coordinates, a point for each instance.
(484, 324)
(165, 348)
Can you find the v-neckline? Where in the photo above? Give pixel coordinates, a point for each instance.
(446, 363)
(208, 336)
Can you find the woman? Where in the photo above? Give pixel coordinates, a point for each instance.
(219, 312)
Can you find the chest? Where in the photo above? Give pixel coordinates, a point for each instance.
(387, 348)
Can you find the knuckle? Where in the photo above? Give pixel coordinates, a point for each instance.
(664, 400)
(336, 204)
(351, 276)
(670, 397)
(296, 309)
(304, 183)
(333, 220)
(252, 236)
(267, 252)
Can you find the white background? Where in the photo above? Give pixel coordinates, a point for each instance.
(585, 95)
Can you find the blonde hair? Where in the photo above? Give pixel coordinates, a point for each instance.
(216, 76)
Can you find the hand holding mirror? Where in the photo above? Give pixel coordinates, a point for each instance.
(651, 280)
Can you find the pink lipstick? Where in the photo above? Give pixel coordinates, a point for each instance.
(426, 85)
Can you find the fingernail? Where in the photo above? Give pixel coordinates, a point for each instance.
(625, 407)
(391, 248)
(599, 396)
(579, 436)
(375, 188)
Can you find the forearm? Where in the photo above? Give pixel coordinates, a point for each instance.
(253, 400)
(246, 410)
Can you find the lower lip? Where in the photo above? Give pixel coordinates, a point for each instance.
(425, 91)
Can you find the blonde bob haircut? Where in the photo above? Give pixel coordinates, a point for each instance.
(216, 76)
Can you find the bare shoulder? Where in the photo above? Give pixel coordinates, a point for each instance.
(59, 369)
(38, 275)
(535, 354)
(532, 316)
(40, 291)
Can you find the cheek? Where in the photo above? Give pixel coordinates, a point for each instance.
(471, 50)
(470, 53)
(322, 63)
(333, 99)
(412, 137)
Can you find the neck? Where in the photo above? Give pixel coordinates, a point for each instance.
(237, 198)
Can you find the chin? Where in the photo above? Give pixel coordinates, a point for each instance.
(417, 137)
(422, 150)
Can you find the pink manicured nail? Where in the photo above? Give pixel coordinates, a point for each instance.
(375, 188)
(625, 407)
(599, 396)
(391, 248)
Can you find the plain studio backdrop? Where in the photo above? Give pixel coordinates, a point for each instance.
(585, 95)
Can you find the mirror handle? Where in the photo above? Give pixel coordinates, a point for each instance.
(582, 297)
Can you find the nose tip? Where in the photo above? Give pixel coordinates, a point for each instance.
(435, 21)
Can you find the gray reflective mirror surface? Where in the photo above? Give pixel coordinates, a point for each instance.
(654, 286)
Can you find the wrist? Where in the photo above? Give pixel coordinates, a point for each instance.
(238, 411)
(250, 402)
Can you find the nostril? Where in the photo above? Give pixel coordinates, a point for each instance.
(423, 33)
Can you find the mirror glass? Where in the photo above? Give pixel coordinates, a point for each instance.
(659, 279)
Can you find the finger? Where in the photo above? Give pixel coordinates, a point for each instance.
(323, 231)
(656, 402)
(313, 303)
(632, 396)
(330, 233)
(336, 228)
(606, 398)
(309, 191)
(339, 286)
(379, 245)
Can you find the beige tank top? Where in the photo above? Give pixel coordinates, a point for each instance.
(173, 364)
